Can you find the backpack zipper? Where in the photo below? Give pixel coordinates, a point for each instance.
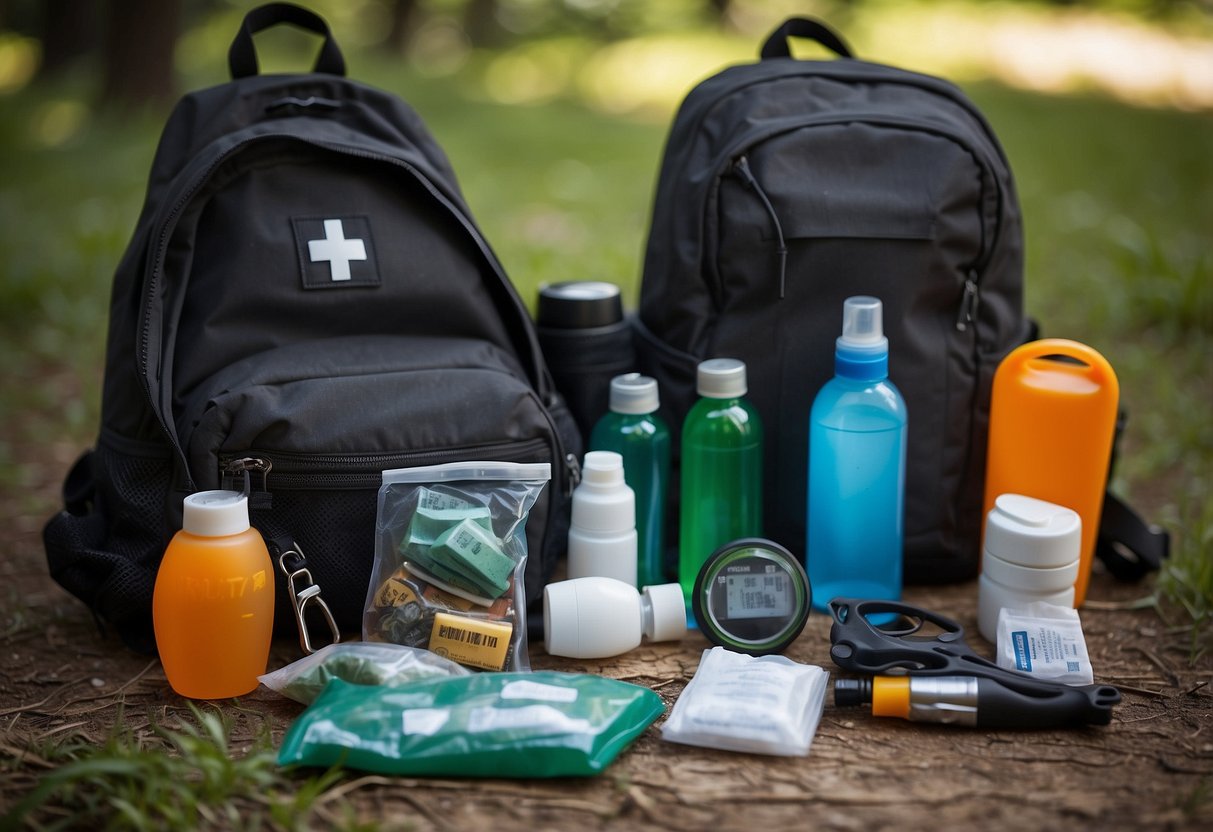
(742, 166)
(968, 302)
(293, 471)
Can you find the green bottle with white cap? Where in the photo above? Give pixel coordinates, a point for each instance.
(721, 480)
(632, 429)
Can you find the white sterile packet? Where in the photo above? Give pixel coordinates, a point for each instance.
(1046, 641)
(763, 705)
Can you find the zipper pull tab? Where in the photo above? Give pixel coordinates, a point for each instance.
(574, 478)
(742, 167)
(235, 472)
(968, 304)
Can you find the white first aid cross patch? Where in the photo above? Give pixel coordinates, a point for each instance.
(335, 252)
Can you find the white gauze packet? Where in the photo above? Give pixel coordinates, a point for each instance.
(1046, 641)
(763, 705)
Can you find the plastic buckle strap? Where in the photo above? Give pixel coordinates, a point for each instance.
(1129, 547)
(303, 590)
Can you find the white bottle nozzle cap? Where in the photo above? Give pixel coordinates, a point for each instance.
(215, 513)
(667, 612)
(603, 501)
(721, 378)
(634, 394)
(863, 323)
(602, 468)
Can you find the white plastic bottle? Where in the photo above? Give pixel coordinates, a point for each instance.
(595, 618)
(602, 535)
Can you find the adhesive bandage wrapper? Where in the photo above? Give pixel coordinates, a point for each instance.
(1046, 641)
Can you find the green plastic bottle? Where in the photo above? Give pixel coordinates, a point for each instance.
(632, 429)
(721, 468)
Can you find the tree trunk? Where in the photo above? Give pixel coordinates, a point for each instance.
(404, 23)
(480, 22)
(140, 40)
(70, 30)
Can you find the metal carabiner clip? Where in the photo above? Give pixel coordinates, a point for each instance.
(297, 577)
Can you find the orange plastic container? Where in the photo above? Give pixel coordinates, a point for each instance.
(213, 607)
(1051, 429)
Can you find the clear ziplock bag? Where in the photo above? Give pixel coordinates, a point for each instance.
(359, 663)
(450, 556)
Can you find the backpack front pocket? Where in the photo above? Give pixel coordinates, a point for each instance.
(322, 419)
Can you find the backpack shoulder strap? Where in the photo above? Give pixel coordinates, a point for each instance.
(1129, 546)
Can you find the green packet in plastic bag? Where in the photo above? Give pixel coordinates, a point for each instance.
(542, 724)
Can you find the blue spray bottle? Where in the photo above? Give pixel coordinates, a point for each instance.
(857, 465)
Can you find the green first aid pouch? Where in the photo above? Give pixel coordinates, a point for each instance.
(543, 724)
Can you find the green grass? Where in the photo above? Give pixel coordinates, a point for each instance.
(184, 779)
(1186, 579)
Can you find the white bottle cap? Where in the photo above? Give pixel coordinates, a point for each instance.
(603, 502)
(993, 596)
(1033, 533)
(591, 618)
(721, 378)
(1031, 579)
(665, 612)
(634, 394)
(863, 324)
(215, 513)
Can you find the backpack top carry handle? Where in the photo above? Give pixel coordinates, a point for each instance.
(242, 57)
(777, 45)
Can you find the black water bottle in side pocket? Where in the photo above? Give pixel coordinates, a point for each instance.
(587, 342)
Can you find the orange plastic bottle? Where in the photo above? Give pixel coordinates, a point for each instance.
(213, 606)
(1051, 429)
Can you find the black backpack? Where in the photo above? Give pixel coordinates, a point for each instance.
(789, 185)
(306, 302)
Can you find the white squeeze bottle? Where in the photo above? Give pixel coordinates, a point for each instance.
(602, 534)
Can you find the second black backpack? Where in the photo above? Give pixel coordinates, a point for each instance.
(789, 185)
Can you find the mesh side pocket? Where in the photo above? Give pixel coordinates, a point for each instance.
(336, 531)
(105, 551)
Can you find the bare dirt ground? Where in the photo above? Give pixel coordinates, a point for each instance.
(1152, 768)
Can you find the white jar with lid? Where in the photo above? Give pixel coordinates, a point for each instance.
(1031, 553)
